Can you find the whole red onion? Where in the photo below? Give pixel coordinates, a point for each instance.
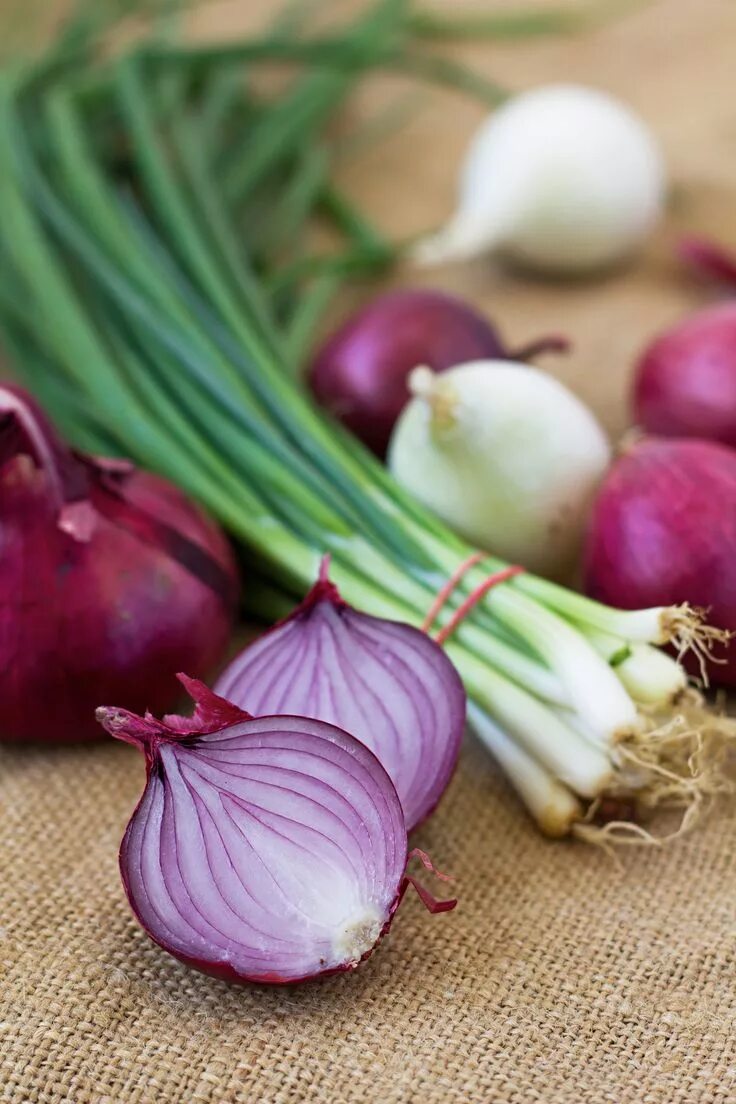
(709, 259)
(685, 383)
(360, 373)
(110, 582)
(663, 531)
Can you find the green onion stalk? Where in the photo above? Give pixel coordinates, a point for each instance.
(157, 290)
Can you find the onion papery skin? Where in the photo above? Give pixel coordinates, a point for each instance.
(111, 581)
(267, 850)
(663, 531)
(360, 372)
(385, 682)
(685, 383)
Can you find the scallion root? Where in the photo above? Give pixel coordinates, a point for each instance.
(686, 628)
(678, 762)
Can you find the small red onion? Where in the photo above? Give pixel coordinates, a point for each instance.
(685, 383)
(111, 581)
(710, 260)
(385, 682)
(360, 373)
(269, 850)
(663, 531)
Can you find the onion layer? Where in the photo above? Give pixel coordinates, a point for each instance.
(269, 850)
(385, 682)
(110, 581)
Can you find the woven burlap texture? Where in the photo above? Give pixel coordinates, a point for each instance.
(560, 977)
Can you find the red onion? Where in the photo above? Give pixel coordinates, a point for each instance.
(269, 849)
(685, 383)
(709, 260)
(360, 373)
(663, 532)
(385, 682)
(111, 581)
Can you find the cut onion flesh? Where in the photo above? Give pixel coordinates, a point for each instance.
(268, 850)
(385, 682)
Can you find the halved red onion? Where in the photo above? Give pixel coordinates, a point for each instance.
(268, 850)
(385, 682)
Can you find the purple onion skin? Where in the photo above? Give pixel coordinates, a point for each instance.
(685, 383)
(111, 582)
(663, 531)
(360, 373)
(213, 715)
(420, 770)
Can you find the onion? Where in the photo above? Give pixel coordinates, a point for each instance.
(505, 455)
(710, 260)
(685, 383)
(360, 373)
(386, 683)
(663, 531)
(269, 850)
(111, 580)
(562, 178)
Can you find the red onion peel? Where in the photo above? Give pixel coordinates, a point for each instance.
(383, 681)
(267, 849)
(111, 580)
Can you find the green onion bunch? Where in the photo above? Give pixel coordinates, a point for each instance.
(158, 287)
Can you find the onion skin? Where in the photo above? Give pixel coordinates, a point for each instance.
(663, 531)
(111, 581)
(360, 373)
(685, 383)
(216, 718)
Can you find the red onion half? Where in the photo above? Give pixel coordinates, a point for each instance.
(268, 850)
(385, 682)
(685, 383)
(110, 582)
(360, 373)
(663, 532)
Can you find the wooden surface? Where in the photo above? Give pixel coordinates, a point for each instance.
(674, 61)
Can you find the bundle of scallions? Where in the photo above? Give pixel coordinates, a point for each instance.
(157, 288)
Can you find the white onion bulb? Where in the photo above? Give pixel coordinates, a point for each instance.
(506, 455)
(561, 178)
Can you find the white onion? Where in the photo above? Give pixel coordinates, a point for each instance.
(506, 455)
(562, 178)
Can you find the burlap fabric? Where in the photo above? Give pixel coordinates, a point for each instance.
(561, 978)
